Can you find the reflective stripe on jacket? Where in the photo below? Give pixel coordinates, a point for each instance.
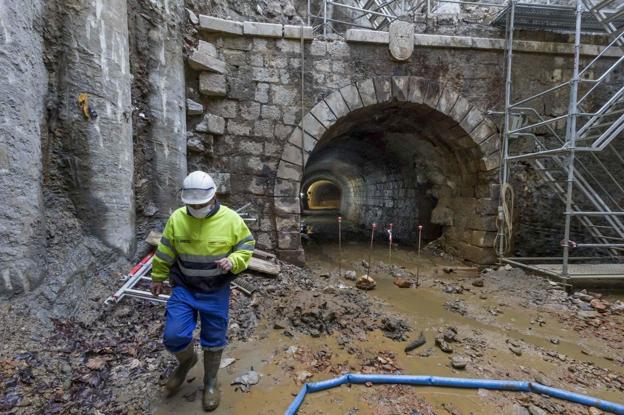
(190, 246)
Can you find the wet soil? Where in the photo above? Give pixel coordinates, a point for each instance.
(313, 324)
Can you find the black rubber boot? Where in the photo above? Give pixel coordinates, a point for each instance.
(187, 358)
(211, 396)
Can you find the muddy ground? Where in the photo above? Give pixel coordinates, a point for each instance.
(312, 324)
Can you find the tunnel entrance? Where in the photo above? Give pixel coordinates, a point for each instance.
(401, 151)
(321, 195)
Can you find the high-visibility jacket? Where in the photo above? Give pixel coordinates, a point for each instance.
(190, 246)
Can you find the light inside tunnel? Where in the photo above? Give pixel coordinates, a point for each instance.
(322, 195)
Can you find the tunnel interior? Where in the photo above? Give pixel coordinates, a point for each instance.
(321, 195)
(394, 163)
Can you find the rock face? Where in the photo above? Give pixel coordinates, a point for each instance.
(100, 150)
(23, 84)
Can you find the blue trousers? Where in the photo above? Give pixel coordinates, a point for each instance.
(181, 318)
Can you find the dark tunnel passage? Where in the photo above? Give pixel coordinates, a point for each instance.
(321, 195)
(390, 163)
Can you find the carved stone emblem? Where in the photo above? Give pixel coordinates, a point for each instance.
(401, 40)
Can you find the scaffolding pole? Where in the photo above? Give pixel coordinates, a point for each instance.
(571, 138)
(505, 149)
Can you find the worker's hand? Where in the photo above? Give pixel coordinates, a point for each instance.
(225, 264)
(157, 288)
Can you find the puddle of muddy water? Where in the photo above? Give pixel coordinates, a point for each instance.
(424, 308)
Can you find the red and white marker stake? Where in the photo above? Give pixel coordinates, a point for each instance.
(420, 228)
(370, 250)
(389, 230)
(340, 246)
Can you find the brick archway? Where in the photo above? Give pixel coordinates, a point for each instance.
(473, 133)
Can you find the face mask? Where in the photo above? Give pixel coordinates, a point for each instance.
(200, 213)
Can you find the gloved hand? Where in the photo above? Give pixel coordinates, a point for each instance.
(224, 264)
(157, 288)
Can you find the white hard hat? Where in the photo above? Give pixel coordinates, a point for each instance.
(198, 188)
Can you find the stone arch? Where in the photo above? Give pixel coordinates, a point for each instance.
(476, 135)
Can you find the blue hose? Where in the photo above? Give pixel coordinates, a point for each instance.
(505, 385)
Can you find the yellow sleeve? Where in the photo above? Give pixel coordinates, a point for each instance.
(243, 247)
(165, 254)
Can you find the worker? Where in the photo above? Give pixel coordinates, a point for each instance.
(202, 249)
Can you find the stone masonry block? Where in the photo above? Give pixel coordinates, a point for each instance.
(286, 188)
(313, 127)
(212, 124)
(215, 24)
(400, 85)
(288, 171)
(460, 109)
(294, 32)
(432, 94)
(287, 223)
(472, 121)
(263, 29)
(383, 89)
(367, 92)
(207, 48)
(417, 90)
(351, 97)
(337, 105)
(289, 240)
(286, 205)
(292, 154)
(222, 180)
(212, 84)
(490, 145)
(202, 60)
(194, 108)
(322, 113)
(447, 100)
(483, 131)
(490, 162)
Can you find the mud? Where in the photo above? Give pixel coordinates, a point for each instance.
(310, 324)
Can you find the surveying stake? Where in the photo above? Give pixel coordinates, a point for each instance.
(370, 250)
(420, 227)
(340, 246)
(389, 230)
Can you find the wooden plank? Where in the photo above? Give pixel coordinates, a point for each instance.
(267, 256)
(265, 267)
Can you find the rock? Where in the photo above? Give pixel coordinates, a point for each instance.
(444, 346)
(414, 344)
(598, 305)
(204, 59)
(247, 379)
(289, 11)
(324, 275)
(536, 410)
(194, 108)
(520, 410)
(459, 362)
(303, 376)
(507, 267)
(515, 350)
(212, 84)
(402, 282)
(582, 295)
(478, 282)
(273, 9)
(350, 275)
(194, 144)
(279, 325)
(212, 124)
(192, 17)
(594, 411)
(364, 264)
(365, 283)
(450, 334)
(554, 340)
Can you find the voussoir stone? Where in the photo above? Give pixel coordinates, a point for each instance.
(322, 113)
(400, 87)
(367, 92)
(351, 97)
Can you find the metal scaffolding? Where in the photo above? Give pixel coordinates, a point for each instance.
(568, 151)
